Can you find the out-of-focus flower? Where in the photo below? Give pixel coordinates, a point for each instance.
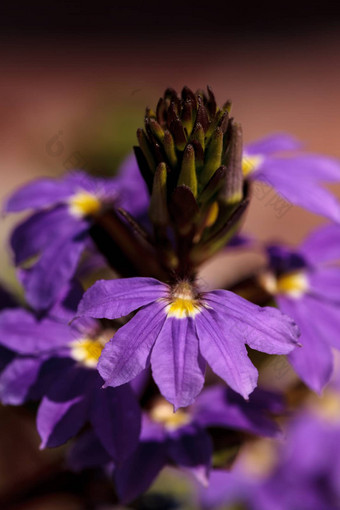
(307, 287)
(182, 438)
(55, 362)
(179, 329)
(58, 231)
(296, 178)
(305, 475)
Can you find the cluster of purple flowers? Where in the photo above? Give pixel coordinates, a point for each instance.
(120, 368)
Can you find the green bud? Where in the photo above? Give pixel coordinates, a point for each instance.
(145, 147)
(158, 210)
(169, 149)
(213, 156)
(187, 176)
(233, 186)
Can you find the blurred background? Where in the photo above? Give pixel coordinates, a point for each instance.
(75, 80)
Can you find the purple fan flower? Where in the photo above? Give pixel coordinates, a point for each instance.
(181, 438)
(57, 232)
(297, 178)
(304, 475)
(55, 362)
(307, 287)
(178, 329)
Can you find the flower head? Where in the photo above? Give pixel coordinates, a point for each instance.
(56, 363)
(305, 283)
(182, 438)
(178, 329)
(58, 232)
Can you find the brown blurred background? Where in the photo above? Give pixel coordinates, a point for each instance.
(83, 75)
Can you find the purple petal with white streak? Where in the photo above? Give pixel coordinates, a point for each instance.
(177, 366)
(265, 329)
(128, 352)
(112, 299)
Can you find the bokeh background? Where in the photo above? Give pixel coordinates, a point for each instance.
(75, 79)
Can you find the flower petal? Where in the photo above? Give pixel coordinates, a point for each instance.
(314, 361)
(322, 245)
(268, 145)
(294, 185)
(39, 193)
(226, 354)
(17, 379)
(325, 283)
(55, 268)
(265, 329)
(128, 352)
(326, 317)
(111, 299)
(38, 231)
(20, 331)
(309, 167)
(134, 476)
(190, 447)
(218, 406)
(177, 366)
(87, 452)
(116, 420)
(133, 193)
(65, 408)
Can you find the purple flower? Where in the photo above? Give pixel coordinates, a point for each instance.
(57, 232)
(181, 438)
(56, 362)
(307, 287)
(295, 178)
(178, 329)
(304, 471)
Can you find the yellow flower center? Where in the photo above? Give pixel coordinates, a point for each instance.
(87, 351)
(163, 413)
(84, 204)
(259, 458)
(183, 302)
(250, 164)
(327, 406)
(293, 284)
